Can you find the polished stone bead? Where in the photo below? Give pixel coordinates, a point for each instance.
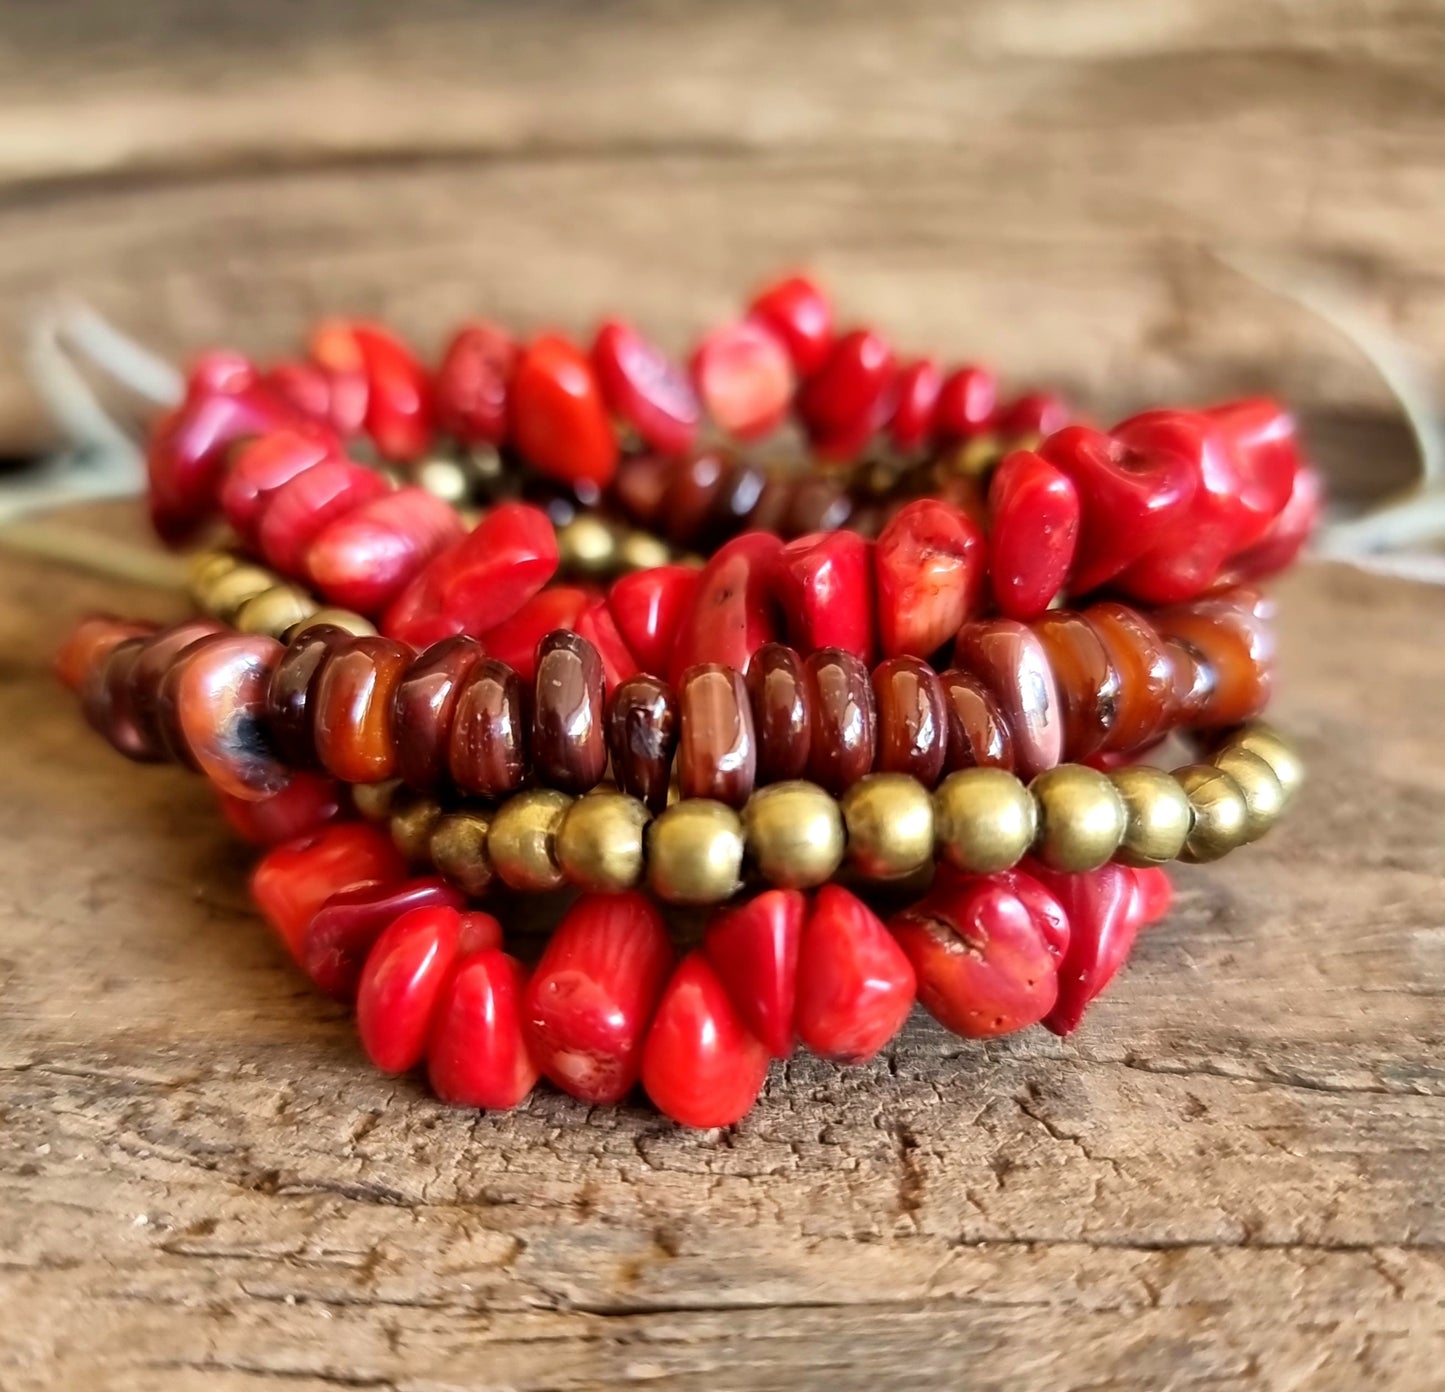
(1087, 680)
(569, 743)
(302, 508)
(782, 712)
(978, 733)
(1146, 679)
(754, 950)
(515, 640)
(1238, 648)
(1012, 664)
(262, 466)
(930, 566)
(425, 706)
(733, 612)
(354, 720)
(717, 747)
(825, 588)
(487, 745)
(558, 418)
(912, 719)
(1033, 533)
(649, 607)
(401, 985)
(642, 735)
(843, 740)
(477, 1054)
(291, 693)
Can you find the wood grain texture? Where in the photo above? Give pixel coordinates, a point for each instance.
(1229, 1178)
(1084, 193)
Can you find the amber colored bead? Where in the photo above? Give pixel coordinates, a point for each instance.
(818, 504)
(1193, 682)
(844, 739)
(1087, 682)
(220, 702)
(912, 719)
(487, 744)
(107, 700)
(354, 716)
(1146, 678)
(166, 711)
(1011, 662)
(160, 654)
(569, 746)
(1238, 646)
(290, 697)
(696, 484)
(426, 702)
(782, 712)
(717, 750)
(86, 645)
(642, 733)
(978, 734)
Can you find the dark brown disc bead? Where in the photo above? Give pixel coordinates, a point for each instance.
(1146, 677)
(819, 503)
(782, 712)
(1231, 632)
(733, 503)
(426, 702)
(166, 711)
(696, 483)
(1010, 661)
(353, 708)
(641, 485)
(844, 736)
(773, 501)
(978, 734)
(107, 700)
(569, 744)
(912, 719)
(642, 733)
(1193, 682)
(487, 745)
(717, 752)
(1087, 681)
(220, 708)
(159, 655)
(290, 705)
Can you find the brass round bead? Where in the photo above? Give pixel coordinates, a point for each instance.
(1160, 817)
(205, 568)
(522, 842)
(1220, 815)
(375, 800)
(984, 819)
(1081, 817)
(587, 546)
(794, 834)
(1266, 742)
(276, 610)
(1264, 796)
(600, 844)
(695, 852)
(458, 849)
(642, 551)
(346, 619)
(412, 822)
(223, 596)
(889, 817)
(447, 479)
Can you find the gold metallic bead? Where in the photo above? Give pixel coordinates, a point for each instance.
(523, 840)
(695, 852)
(1159, 815)
(1264, 797)
(794, 834)
(444, 478)
(642, 551)
(484, 463)
(587, 546)
(1081, 817)
(205, 568)
(276, 610)
(458, 849)
(411, 824)
(1265, 741)
(375, 800)
(1221, 818)
(223, 596)
(984, 819)
(600, 842)
(337, 618)
(889, 817)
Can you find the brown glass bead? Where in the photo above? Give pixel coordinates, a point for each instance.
(819, 503)
(736, 497)
(1087, 681)
(641, 484)
(353, 715)
(107, 700)
(773, 501)
(487, 745)
(1234, 637)
(717, 753)
(290, 704)
(695, 486)
(782, 713)
(569, 746)
(1146, 678)
(88, 643)
(1193, 681)
(978, 734)
(1010, 661)
(912, 719)
(166, 713)
(642, 733)
(844, 735)
(160, 654)
(426, 702)
(220, 704)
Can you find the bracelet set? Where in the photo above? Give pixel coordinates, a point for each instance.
(545, 619)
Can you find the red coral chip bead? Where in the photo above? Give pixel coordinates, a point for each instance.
(799, 313)
(754, 950)
(987, 951)
(290, 883)
(1260, 434)
(744, 379)
(929, 568)
(1153, 894)
(592, 997)
(308, 802)
(398, 395)
(473, 385)
(1034, 532)
(825, 589)
(259, 468)
(644, 388)
(477, 1055)
(649, 607)
(515, 640)
(304, 385)
(1281, 545)
(1031, 416)
(344, 929)
(733, 612)
(850, 393)
(967, 404)
(701, 1065)
(855, 984)
(299, 510)
(219, 370)
(558, 420)
(334, 348)
(401, 984)
(599, 628)
(915, 404)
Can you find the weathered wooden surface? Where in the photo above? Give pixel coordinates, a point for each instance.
(1065, 187)
(1230, 1178)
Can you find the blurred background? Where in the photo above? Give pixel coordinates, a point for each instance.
(1125, 201)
